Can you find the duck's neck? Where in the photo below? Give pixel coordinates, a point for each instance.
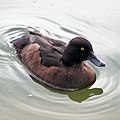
(66, 64)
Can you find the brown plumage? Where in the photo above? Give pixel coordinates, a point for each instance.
(59, 66)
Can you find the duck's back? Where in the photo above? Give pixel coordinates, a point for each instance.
(50, 50)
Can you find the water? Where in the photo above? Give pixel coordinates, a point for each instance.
(23, 99)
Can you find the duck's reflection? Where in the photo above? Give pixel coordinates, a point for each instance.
(84, 94)
(77, 96)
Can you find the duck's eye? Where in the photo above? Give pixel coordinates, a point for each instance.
(82, 48)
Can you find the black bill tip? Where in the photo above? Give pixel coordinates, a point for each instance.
(95, 60)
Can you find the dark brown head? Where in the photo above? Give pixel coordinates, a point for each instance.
(78, 50)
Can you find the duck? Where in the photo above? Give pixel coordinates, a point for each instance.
(57, 64)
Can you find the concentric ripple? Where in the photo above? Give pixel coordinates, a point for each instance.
(21, 98)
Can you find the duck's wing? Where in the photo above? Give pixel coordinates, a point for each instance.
(57, 44)
(50, 50)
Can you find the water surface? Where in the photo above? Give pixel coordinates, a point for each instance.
(23, 99)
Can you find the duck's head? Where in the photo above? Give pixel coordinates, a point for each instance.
(78, 50)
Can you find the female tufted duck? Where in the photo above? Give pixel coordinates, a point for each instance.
(58, 65)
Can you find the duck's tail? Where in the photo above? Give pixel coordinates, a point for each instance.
(20, 43)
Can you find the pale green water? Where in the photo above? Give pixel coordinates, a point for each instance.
(23, 99)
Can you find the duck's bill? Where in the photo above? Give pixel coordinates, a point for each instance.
(95, 60)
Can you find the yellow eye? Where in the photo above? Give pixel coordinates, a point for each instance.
(82, 48)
